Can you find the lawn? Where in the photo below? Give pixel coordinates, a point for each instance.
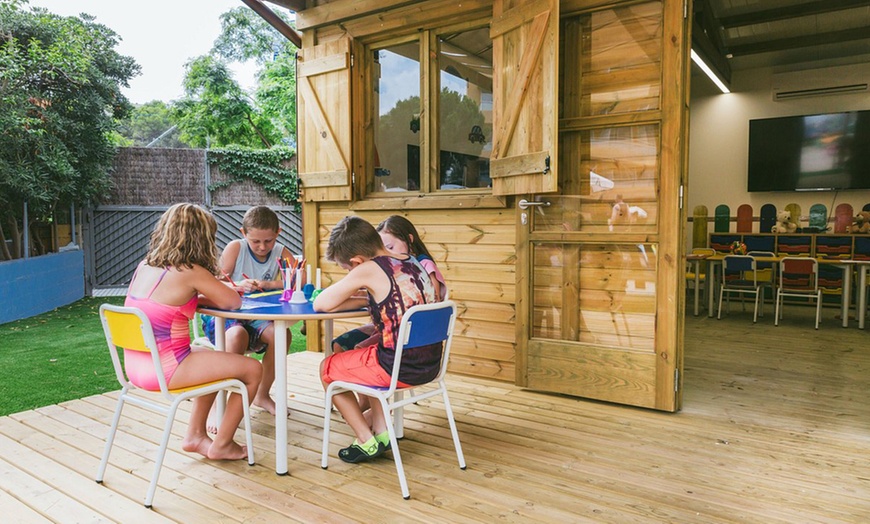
(62, 355)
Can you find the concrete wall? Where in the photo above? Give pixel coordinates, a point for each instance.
(719, 143)
(30, 286)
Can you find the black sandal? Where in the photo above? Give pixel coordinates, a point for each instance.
(355, 453)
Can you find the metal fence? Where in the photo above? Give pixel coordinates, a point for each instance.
(116, 238)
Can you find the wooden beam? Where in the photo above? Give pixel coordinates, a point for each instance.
(293, 5)
(795, 11)
(780, 44)
(341, 10)
(275, 21)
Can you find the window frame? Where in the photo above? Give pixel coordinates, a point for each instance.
(429, 194)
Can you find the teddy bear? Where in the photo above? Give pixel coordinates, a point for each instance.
(862, 223)
(783, 223)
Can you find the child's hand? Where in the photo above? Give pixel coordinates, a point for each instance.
(250, 285)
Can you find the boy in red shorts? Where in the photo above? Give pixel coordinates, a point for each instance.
(392, 284)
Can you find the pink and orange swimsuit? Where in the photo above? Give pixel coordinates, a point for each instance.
(172, 333)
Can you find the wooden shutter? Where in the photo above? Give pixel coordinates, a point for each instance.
(525, 35)
(324, 109)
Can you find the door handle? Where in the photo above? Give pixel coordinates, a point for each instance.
(525, 204)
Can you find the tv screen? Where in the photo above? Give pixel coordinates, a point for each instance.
(810, 152)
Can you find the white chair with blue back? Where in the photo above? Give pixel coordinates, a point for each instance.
(421, 325)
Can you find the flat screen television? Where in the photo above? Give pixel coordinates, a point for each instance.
(810, 152)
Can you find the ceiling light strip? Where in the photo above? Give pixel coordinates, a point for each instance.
(709, 72)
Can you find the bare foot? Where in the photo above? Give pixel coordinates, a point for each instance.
(211, 425)
(231, 451)
(268, 404)
(200, 444)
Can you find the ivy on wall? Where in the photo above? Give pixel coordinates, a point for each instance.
(266, 167)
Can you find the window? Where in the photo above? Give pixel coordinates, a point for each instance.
(465, 109)
(397, 110)
(411, 152)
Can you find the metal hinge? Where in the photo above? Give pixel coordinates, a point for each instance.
(351, 60)
(547, 165)
(352, 178)
(676, 380)
(685, 8)
(681, 196)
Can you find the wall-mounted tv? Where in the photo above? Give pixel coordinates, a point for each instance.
(810, 152)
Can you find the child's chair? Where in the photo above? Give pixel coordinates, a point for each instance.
(421, 326)
(799, 277)
(128, 328)
(739, 276)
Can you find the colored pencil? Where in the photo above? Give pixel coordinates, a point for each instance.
(228, 278)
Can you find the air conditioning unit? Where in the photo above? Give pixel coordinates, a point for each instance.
(820, 82)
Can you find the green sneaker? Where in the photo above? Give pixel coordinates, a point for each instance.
(384, 439)
(357, 452)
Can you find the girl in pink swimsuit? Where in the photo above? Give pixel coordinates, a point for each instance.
(171, 332)
(178, 273)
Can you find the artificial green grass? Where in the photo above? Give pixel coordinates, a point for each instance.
(62, 355)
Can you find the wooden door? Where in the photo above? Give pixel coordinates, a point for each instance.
(601, 278)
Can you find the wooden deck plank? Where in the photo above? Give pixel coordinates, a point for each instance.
(770, 432)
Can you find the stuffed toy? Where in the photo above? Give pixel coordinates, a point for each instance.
(862, 223)
(783, 223)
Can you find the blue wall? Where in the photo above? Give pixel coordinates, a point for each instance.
(36, 285)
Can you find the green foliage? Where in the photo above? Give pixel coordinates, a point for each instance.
(270, 113)
(64, 353)
(276, 92)
(148, 122)
(246, 36)
(60, 81)
(267, 167)
(216, 111)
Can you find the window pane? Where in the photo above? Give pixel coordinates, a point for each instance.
(396, 104)
(611, 61)
(609, 180)
(465, 109)
(597, 293)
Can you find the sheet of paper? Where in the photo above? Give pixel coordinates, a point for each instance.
(247, 303)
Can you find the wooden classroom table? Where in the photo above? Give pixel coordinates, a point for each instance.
(267, 306)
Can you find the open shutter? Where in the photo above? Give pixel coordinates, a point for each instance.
(324, 136)
(525, 35)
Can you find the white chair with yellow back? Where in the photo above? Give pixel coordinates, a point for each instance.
(129, 329)
(421, 325)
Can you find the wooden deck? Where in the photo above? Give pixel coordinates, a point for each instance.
(775, 428)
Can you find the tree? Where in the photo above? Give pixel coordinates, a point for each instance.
(215, 107)
(246, 36)
(149, 121)
(216, 110)
(60, 80)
